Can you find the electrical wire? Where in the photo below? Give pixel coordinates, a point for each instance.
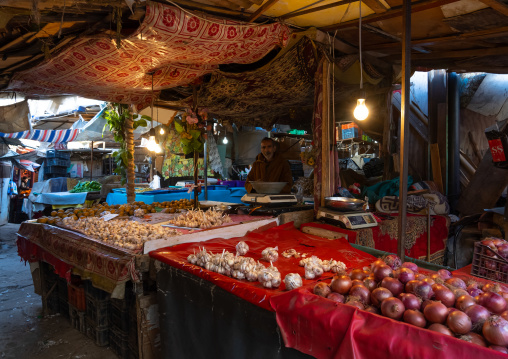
(360, 41)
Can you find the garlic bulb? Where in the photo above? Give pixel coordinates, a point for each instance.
(242, 248)
(270, 254)
(292, 281)
(200, 219)
(139, 212)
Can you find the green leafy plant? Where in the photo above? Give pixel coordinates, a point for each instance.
(115, 116)
(190, 126)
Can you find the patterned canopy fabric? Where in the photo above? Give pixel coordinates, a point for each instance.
(174, 45)
(54, 136)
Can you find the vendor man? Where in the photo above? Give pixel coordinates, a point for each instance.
(270, 167)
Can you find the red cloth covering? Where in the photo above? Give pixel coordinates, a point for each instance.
(285, 237)
(384, 236)
(178, 45)
(325, 329)
(38, 241)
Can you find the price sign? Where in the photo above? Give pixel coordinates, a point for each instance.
(107, 217)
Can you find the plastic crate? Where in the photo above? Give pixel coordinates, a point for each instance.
(119, 314)
(57, 162)
(55, 170)
(77, 297)
(95, 292)
(97, 311)
(54, 175)
(77, 318)
(58, 154)
(119, 343)
(485, 266)
(99, 334)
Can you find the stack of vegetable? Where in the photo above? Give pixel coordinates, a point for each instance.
(440, 302)
(86, 186)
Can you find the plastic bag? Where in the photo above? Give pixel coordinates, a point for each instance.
(156, 182)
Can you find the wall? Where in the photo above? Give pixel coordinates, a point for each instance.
(5, 172)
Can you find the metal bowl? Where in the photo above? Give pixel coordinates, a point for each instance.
(268, 187)
(344, 204)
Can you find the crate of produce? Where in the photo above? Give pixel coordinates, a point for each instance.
(55, 161)
(99, 334)
(119, 343)
(58, 154)
(77, 318)
(76, 295)
(97, 311)
(485, 265)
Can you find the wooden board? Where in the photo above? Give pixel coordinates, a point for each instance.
(436, 166)
(484, 189)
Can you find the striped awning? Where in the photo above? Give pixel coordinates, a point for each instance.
(53, 136)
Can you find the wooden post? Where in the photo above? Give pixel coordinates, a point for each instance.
(404, 126)
(129, 139)
(91, 161)
(428, 232)
(325, 135)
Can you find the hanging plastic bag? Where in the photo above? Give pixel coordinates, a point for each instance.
(156, 182)
(12, 189)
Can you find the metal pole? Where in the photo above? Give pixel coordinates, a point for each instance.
(454, 138)
(91, 161)
(404, 126)
(205, 150)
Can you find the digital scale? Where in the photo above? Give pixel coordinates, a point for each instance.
(269, 200)
(347, 220)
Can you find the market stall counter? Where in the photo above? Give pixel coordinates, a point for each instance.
(227, 317)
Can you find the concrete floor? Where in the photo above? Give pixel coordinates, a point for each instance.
(24, 332)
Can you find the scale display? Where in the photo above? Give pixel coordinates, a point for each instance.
(351, 220)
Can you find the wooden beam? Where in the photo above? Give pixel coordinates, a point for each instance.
(339, 45)
(393, 37)
(211, 8)
(463, 53)
(377, 6)
(262, 9)
(390, 14)
(496, 5)
(476, 35)
(312, 10)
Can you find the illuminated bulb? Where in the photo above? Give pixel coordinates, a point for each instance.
(162, 131)
(157, 148)
(361, 111)
(225, 140)
(151, 145)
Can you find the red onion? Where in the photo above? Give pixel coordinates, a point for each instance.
(499, 348)
(414, 317)
(420, 276)
(393, 285)
(429, 280)
(372, 309)
(411, 285)
(380, 294)
(493, 302)
(356, 303)
(440, 328)
(505, 315)
(435, 276)
(341, 284)
(451, 309)
(489, 243)
(410, 301)
(474, 338)
(459, 322)
(322, 289)
(381, 271)
(359, 274)
(464, 301)
(376, 263)
(473, 292)
(404, 275)
(490, 264)
(370, 283)
(459, 292)
(411, 266)
(423, 290)
(356, 282)
(498, 241)
(477, 313)
(424, 304)
(456, 282)
(444, 295)
(502, 250)
(360, 292)
(444, 274)
(435, 312)
(392, 308)
(495, 330)
(393, 261)
(491, 287)
(336, 297)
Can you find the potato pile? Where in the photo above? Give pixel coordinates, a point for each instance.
(174, 206)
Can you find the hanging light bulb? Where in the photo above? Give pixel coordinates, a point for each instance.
(361, 111)
(225, 140)
(162, 130)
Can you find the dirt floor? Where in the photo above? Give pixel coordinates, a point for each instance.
(24, 332)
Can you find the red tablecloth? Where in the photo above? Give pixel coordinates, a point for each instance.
(384, 236)
(285, 237)
(326, 329)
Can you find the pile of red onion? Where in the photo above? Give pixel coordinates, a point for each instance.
(440, 302)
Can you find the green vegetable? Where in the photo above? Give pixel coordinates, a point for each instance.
(86, 186)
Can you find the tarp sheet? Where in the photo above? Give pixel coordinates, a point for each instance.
(15, 117)
(54, 136)
(178, 45)
(285, 237)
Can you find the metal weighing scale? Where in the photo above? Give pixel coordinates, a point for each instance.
(347, 220)
(269, 200)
